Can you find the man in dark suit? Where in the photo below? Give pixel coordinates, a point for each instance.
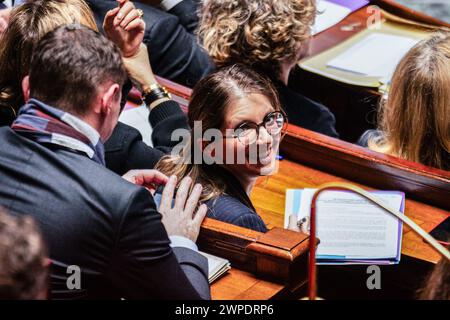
(169, 36)
(105, 237)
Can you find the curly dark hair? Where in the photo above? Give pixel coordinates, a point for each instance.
(23, 266)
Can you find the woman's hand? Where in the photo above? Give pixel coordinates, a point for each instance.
(299, 226)
(123, 25)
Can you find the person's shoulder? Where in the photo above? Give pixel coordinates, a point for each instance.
(227, 202)
(121, 137)
(291, 97)
(307, 113)
(229, 209)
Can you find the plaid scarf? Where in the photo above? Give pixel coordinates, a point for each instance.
(47, 125)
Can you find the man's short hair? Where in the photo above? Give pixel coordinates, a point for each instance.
(69, 64)
(23, 266)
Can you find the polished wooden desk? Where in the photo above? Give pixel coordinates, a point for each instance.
(241, 285)
(269, 200)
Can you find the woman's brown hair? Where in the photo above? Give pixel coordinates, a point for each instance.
(437, 285)
(415, 120)
(29, 22)
(210, 100)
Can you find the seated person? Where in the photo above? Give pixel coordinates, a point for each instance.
(271, 37)
(414, 122)
(52, 168)
(169, 36)
(243, 109)
(23, 259)
(125, 150)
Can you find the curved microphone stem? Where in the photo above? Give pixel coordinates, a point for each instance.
(312, 285)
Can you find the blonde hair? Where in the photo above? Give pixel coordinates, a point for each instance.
(28, 23)
(258, 33)
(415, 120)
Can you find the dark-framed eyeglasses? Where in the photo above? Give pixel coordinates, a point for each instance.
(248, 132)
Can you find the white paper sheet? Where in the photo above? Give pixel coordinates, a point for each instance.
(349, 226)
(138, 118)
(377, 55)
(328, 15)
(216, 266)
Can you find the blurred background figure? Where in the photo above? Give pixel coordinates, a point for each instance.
(23, 264)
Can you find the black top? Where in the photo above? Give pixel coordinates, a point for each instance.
(92, 218)
(234, 206)
(125, 149)
(305, 112)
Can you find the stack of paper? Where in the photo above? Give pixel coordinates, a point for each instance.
(331, 12)
(376, 55)
(217, 266)
(351, 229)
(359, 59)
(137, 117)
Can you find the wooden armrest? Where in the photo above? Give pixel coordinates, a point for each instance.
(279, 255)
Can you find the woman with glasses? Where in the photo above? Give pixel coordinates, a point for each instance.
(236, 126)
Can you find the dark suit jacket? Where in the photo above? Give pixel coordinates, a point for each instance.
(305, 112)
(92, 218)
(173, 48)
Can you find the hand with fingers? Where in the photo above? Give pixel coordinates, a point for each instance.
(182, 219)
(150, 179)
(301, 225)
(125, 27)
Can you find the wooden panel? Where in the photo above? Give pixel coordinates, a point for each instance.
(279, 255)
(372, 168)
(336, 34)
